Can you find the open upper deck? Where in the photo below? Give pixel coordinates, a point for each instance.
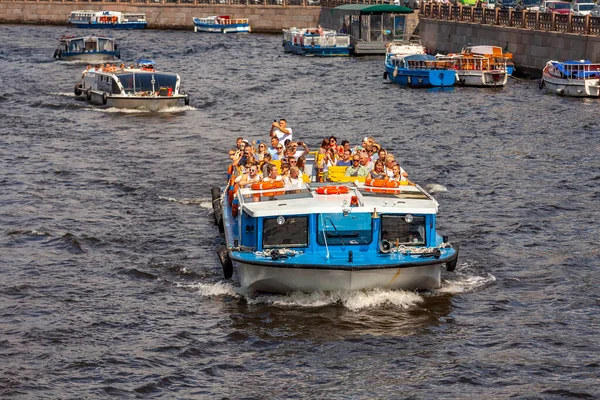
(304, 199)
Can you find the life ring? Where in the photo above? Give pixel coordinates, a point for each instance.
(77, 89)
(232, 191)
(104, 98)
(271, 194)
(267, 185)
(333, 190)
(392, 184)
(375, 182)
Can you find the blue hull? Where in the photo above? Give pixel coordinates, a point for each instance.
(128, 25)
(425, 78)
(90, 55)
(316, 50)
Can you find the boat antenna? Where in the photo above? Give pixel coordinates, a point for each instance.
(325, 237)
(153, 82)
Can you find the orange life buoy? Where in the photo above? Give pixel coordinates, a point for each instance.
(114, 19)
(232, 192)
(375, 182)
(333, 190)
(267, 185)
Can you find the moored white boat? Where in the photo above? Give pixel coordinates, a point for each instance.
(572, 78)
(107, 19)
(494, 53)
(476, 70)
(140, 87)
(315, 236)
(221, 24)
(418, 70)
(87, 48)
(316, 42)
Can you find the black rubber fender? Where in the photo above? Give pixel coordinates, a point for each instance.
(385, 75)
(78, 90)
(104, 98)
(542, 83)
(451, 265)
(226, 263)
(88, 94)
(187, 100)
(55, 53)
(216, 203)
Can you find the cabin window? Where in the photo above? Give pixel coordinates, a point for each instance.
(395, 227)
(115, 87)
(337, 229)
(287, 232)
(142, 82)
(105, 45)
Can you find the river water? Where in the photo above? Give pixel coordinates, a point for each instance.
(109, 282)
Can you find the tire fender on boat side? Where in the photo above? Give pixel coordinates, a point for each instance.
(216, 204)
(88, 94)
(78, 90)
(55, 53)
(542, 83)
(226, 263)
(385, 75)
(104, 98)
(187, 100)
(451, 265)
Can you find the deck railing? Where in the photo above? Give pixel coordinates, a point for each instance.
(533, 20)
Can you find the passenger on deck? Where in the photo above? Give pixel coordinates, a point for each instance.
(300, 164)
(292, 161)
(250, 177)
(324, 146)
(365, 161)
(346, 160)
(263, 164)
(333, 144)
(378, 172)
(398, 174)
(346, 145)
(262, 150)
(381, 154)
(389, 167)
(294, 178)
(273, 149)
(285, 170)
(281, 130)
(299, 153)
(280, 153)
(356, 169)
(272, 174)
(245, 156)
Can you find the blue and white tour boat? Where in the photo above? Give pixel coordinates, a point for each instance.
(107, 20)
(134, 87)
(221, 24)
(316, 42)
(418, 70)
(572, 78)
(331, 236)
(87, 48)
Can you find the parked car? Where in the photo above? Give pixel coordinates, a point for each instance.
(595, 11)
(560, 7)
(532, 5)
(544, 5)
(491, 4)
(583, 8)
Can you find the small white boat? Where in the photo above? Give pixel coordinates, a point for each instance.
(315, 42)
(140, 87)
(87, 48)
(572, 78)
(476, 70)
(107, 19)
(221, 24)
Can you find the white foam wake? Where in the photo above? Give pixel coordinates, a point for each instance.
(203, 202)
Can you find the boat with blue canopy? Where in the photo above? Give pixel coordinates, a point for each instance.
(221, 24)
(316, 42)
(418, 70)
(87, 48)
(107, 19)
(331, 236)
(572, 78)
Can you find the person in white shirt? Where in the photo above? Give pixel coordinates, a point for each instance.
(281, 131)
(294, 179)
(272, 174)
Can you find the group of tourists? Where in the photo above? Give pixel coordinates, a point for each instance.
(108, 67)
(254, 161)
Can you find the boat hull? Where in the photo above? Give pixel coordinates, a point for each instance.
(216, 28)
(421, 77)
(156, 103)
(272, 279)
(89, 57)
(572, 87)
(481, 78)
(126, 25)
(318, 51)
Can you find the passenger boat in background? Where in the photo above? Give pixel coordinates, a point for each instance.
(140, 87)
(323, 236)
(221, 24)
(418, 70)
(495, 53)
(401, 48)
(572, 78)
(476, 70)
(107, 20)
(87, 48)
(309, 43)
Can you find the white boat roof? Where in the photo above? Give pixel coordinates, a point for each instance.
(304, 200)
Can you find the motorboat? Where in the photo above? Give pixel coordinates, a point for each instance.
(107, 19)
(138, 86)
(572, 78)
(87, 48)
(494, 53)
(328, 236)
(316, 42)
(418, 70)
(221, 24)
(476, 70)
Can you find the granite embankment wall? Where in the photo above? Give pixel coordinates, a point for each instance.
(267, 19)
(531, 49)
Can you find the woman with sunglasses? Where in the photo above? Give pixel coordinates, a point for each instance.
(280, 155)
(262, 150)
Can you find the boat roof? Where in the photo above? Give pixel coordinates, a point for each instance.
(419, 57)
(375, 9)
(86, 37)
(303, 199)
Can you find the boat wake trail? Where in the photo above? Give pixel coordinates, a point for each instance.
(203, 202)
(64, 94)
(170, 110)
(220, 288)
(465, 279)
(435, 188)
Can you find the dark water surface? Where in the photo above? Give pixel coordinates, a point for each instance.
(109, 282)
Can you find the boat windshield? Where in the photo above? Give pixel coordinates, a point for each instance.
(285, 232)
(395, 228)
(135, 82)
(338, 229)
